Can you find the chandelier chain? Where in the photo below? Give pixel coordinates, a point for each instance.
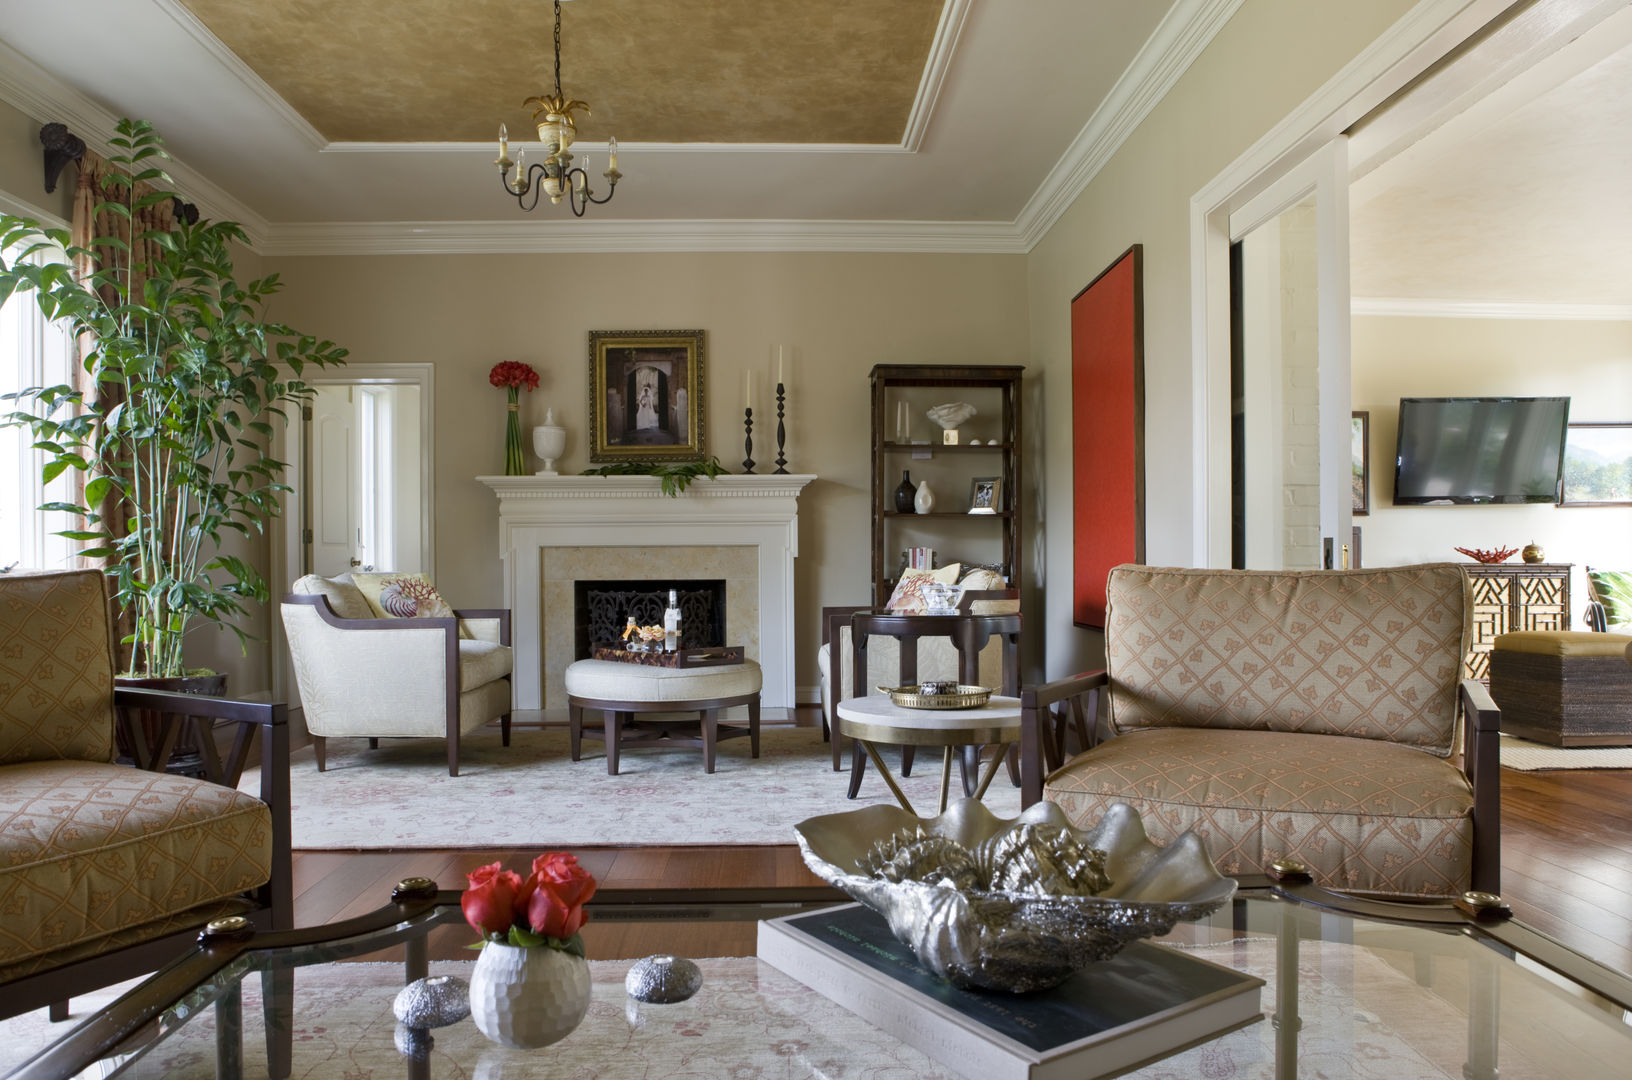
(558, 48)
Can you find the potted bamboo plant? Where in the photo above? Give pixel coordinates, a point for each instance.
(182, 373)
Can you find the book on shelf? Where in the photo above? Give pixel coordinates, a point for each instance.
(1145, 1003)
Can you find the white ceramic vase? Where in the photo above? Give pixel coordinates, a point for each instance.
(924, 501)
(528, 998)
(549, 441)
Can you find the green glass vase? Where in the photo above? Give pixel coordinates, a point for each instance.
(513, 463)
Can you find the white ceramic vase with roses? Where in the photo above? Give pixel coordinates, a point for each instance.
(531, 984)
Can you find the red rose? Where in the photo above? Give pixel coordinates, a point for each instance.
(513, 373)
(489, 903)
(570, 881)
(551, 915)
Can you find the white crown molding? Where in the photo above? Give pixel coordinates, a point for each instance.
(241, 71)
(582, 145)
(585, 237)
(1476, 309)
(1183, 33)
(43, 96)
(945, 43)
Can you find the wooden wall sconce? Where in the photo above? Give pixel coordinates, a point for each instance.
(61, 147)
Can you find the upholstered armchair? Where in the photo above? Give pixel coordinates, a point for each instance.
(1291, 716)
(107, 872)
(363, 676)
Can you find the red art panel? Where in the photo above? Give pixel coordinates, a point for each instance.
(1107, 423)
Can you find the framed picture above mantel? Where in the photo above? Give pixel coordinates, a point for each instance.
(646, 395)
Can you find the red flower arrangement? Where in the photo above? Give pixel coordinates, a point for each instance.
(547, 908)
(513, 374)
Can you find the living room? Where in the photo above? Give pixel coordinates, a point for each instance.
(924, 253)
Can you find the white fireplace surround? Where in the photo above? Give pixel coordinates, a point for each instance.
(538, 512)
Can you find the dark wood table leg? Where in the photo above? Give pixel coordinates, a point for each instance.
(858, 766)
(614, 735)
(711, 732)
(278, 1013)
(229, 1033)
(753, 726)
(969, 762)
(907, 753)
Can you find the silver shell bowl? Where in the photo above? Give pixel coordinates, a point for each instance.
(1011, 941)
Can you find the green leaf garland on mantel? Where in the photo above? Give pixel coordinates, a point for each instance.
(675, 475)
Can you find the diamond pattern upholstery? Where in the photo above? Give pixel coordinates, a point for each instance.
(1289, 714)
(56, 668)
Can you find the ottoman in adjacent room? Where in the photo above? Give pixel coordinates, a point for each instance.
(1564, 687)
(630, 694)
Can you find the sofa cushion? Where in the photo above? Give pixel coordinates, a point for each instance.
(1373, 654)
(56, 668)
(345, 598)
(609, 680)
(481, 662)
(88, 850)
(1366, 816)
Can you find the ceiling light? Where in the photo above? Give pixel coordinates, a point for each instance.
(556, 176)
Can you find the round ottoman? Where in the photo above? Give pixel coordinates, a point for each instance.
(628, 693)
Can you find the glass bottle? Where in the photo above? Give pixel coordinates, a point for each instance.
(905, 493)
(671, 622)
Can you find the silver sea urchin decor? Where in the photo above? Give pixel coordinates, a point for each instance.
(1014, 904)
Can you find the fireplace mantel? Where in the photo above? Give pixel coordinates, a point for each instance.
(538, 512)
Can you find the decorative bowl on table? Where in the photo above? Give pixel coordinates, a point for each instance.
(938, 695)
(1494, 555)
(1014, 904)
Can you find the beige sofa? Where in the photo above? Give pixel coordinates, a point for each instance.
(366, 677)
(1304, 716)
(107, 871)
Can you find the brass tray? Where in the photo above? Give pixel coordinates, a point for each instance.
(963, 697)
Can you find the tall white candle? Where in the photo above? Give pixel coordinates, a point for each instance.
(781, 365)
(748, 389)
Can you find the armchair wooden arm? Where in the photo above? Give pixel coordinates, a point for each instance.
(1481, 732)
(1041, 747)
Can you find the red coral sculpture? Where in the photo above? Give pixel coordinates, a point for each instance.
(1493, 556)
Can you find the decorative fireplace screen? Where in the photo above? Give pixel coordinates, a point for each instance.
(602, 608)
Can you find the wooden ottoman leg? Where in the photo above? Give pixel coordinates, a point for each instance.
(575, 730)
(753, 726)
(373, 744)
(711, 732)
(614, 735)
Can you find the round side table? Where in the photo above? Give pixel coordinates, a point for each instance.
(876, 719)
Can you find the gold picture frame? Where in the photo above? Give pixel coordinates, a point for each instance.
(646, 395)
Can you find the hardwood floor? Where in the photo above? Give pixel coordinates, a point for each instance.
(1566, 870)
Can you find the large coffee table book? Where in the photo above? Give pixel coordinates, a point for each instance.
(1145, 1003)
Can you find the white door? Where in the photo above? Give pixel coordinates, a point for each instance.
(331, 504)
(1291, 484)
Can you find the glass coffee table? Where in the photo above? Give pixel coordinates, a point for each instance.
(1355, 989)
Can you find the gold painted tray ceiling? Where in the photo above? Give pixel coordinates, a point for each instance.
(729, 71)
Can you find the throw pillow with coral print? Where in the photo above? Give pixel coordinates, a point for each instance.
(403, 596)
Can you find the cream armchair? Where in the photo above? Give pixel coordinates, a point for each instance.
(365, 677)
(1302, 716)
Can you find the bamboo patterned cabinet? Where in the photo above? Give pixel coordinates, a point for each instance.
(1515, 596)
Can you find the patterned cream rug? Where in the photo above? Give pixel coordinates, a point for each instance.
(1528, 756)
(1363, 1018)
(532, 794)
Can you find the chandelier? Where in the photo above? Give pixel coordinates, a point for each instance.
(555, 176)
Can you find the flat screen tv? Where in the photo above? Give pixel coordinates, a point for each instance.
(1479, 450)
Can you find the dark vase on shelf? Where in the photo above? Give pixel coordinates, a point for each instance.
(904, 493)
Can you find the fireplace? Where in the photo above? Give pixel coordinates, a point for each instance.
(601, 609)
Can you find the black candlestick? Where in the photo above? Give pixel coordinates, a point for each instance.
(781, 435)
(748, 440)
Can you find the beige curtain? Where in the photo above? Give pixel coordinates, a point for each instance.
(89, 225)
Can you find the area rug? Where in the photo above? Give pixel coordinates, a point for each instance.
(1528, 756)
(532, 793)
(1362, 1018)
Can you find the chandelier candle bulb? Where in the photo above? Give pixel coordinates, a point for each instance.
(504, 144)
(612, 152)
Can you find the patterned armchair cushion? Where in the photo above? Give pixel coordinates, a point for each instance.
(1613, 590)
(1367, 817)
(90, 850)
(56, 668)
(1372, 654)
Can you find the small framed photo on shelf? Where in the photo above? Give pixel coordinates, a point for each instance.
(985, 494)
(646, 395)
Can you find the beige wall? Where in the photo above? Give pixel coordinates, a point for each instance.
(1420, 357)
(1270, 57)
(840, 314)
(22, 169)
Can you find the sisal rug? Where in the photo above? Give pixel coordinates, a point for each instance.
(1362, 1018)
(1528, 756)
(533, 794)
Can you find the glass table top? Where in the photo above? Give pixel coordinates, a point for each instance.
(1346, 995)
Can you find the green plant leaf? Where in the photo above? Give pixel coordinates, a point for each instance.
(526, 939)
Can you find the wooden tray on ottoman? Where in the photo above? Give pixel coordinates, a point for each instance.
(714, 656)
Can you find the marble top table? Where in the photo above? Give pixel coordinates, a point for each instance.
(876, 719)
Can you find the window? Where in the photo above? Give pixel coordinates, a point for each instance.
(33, 352)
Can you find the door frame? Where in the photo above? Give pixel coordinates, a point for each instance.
(288, 445)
